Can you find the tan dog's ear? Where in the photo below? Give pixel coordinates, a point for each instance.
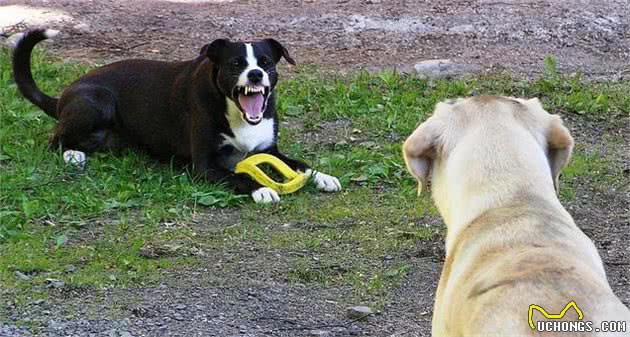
(419, 151)
(559, 148)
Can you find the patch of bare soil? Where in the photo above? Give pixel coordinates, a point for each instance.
(588, 36)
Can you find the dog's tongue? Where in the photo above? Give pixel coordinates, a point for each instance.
(252, 104)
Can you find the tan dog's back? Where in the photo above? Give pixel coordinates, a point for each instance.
(494, 163)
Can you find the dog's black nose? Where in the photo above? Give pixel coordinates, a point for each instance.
(255, 76)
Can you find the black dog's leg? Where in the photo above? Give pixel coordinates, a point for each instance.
(81, 128)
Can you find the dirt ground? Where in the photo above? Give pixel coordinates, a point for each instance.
(588, 36)
(254, 299)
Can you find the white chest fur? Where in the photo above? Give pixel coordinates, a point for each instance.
(247, 137)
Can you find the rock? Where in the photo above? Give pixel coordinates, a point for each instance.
(20, 275)
(359, 312)
(339, 331)
(354, 330)
(54, 283)
(178, 317)
(82, 27)
(443, 68)
(181, 307)
(320, 333)
(71, 268)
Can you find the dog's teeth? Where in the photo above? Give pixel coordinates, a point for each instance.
(246, 90)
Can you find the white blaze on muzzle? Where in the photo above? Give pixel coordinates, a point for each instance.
(252, 99)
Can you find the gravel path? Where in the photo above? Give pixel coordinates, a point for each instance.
(588, 36)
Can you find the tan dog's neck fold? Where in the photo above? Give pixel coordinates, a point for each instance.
(480, 205)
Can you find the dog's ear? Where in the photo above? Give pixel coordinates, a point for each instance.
(419, 151)
(215, 49)
(279, 51)
(559, 148)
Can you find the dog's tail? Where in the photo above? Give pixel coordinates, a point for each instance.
(22, 70)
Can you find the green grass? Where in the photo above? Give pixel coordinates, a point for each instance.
(103, 220)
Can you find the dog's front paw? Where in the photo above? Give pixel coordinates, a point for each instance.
(76, 158)
(324, 182)
(265, 195)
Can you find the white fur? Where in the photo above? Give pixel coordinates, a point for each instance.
(77, 158)
(252, 63)
(324, 182)
(247, 137)
(14, 39)
(265, 195)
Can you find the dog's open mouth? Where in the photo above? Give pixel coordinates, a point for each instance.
(252, 101)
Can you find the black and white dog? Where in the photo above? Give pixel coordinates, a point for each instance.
(211, 112)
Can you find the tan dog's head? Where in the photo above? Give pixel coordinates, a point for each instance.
(487, 144)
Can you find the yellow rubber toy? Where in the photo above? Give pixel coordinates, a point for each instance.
(293, 180)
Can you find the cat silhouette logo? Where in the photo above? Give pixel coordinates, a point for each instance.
(533, 307)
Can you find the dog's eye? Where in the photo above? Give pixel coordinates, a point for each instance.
(264, 62)
(236, 63)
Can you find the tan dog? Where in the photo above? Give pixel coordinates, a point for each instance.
(494, 164)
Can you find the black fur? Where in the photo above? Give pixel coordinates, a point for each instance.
(23, 76)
